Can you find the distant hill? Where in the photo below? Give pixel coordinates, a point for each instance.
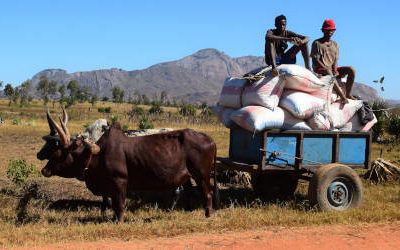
(196, 78)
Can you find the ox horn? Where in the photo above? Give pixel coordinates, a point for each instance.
(63, 135)
(65, 116)
(52, 129)
(64, 122)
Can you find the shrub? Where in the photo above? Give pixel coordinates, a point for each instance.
(125, 127)
(114, 119)
(16, 121)
(135, 111)
(104, 110)
(379, 128)
(156, 109)
(187, 110)
(394, 126)
(206, 111)
(145, 123)
(19, 170)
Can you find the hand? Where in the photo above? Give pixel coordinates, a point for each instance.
(295, 40)
(335, 72)
(275, 72)
(344, 101)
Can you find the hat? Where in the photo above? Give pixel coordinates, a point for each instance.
(328, 24)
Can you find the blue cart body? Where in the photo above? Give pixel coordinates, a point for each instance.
(273, 149)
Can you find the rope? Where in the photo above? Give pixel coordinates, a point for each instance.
(295, 157)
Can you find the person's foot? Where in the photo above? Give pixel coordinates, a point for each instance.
(351, 97)
(275, 72)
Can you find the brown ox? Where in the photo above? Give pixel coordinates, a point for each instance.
(117, 164)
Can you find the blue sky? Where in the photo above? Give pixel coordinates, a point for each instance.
(87, 34)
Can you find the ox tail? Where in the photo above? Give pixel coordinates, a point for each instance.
(216, 196)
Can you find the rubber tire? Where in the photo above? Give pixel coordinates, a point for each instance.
(324, 177)
(278, 184)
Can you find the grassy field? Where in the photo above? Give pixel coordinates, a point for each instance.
(51, 210)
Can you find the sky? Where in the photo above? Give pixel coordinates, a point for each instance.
(87, 35)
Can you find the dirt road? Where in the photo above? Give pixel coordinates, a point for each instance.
(366, 236)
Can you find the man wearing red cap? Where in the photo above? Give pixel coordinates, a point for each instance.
(276, 45)
(325, 55)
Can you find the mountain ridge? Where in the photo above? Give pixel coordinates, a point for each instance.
(196, 78)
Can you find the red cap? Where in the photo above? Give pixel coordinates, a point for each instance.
(329, 24)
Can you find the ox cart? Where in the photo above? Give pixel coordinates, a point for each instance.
(278, 159)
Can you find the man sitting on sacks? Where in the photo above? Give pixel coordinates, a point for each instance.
(276, 45)
(325, 55)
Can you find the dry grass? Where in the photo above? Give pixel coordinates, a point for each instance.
(62, 210)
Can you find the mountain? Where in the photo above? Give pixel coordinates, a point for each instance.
(366, 92)
(196, 78)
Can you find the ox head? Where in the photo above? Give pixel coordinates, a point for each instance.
(53, 140)
(67, 158)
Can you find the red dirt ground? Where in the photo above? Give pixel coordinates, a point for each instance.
(365, 236)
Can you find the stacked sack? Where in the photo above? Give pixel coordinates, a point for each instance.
(295, 100)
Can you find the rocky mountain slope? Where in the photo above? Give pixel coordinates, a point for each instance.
(195, 78)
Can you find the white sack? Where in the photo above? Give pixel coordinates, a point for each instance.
(319, 121)
(292, 123)
(340, 114)
(224, 115)
(300, 78)
(257, 118)
(231, 92)
(301, 105)
(265, 92)
(94, 131)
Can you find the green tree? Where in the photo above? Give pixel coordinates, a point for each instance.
(24, 90)
(83, 94)
(73, 87)
(117, 94)
(393, 127)
(46, 88)
(136, 97)
(163, 97)
(61, 90)
(380, 112)
(94, 99)
(9, 92)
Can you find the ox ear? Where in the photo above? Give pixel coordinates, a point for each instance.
(93, 147)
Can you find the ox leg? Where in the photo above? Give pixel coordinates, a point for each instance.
(205, 187)
(104, 205)
(118, 202)
(208, 198)
(188, 193)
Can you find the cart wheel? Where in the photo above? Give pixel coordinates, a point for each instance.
(272, 185)
(335, 187)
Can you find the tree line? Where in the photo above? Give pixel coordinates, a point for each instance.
(72, 92)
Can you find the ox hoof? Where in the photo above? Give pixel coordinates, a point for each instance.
(209, 212)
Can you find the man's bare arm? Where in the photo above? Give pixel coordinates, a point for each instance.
(272, 37)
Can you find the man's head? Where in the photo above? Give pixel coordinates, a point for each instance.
(328, 28)
(280, 22)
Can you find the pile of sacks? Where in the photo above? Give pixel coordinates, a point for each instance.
(294, 100)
